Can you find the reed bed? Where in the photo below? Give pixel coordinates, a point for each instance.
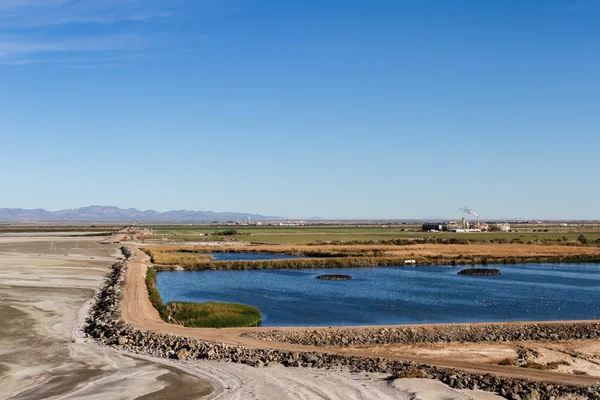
(214, 315)
(335, 256)
(174, 258)
(153, 292)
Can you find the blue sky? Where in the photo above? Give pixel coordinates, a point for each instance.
(331, 108)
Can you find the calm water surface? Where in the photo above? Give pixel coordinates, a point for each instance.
(397, 295)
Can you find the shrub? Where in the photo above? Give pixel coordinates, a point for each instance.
(555, 364)
(535, 365)
(579, 372)
(508, 361)
(582, 239)
(228, 232)
(550, 365)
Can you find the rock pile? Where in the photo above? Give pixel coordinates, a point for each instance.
(434, 334)
(105, 326)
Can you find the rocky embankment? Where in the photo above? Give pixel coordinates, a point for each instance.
(433, 334)
(105, 326)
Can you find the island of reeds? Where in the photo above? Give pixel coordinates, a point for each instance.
(334, 277)
(480, 271)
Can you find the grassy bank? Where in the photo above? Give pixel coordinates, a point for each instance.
(214, 315)
(154, 294)
(201, 315)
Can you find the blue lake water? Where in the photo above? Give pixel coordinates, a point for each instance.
(397, 295)
(251, 256)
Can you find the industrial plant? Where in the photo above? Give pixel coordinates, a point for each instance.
(464, 226)
(452, 226)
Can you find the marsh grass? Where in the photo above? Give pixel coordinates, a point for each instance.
(300, 263)
(214, 315)
(174, 258)
(351, 256)
(153, 292)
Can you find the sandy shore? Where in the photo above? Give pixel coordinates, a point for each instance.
(44, 287)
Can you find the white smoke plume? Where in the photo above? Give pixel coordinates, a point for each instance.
(469, 211)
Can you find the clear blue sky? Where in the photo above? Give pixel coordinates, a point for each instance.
(331, 108)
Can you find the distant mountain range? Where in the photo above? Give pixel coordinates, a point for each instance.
(116, 214)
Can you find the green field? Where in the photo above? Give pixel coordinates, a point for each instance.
(310, 234)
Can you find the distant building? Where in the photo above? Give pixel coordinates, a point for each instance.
(504, 227)
(432, 226)
(451, 225)
(468, 230)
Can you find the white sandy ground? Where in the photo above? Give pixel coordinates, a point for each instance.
(240, 382)
(45, 287)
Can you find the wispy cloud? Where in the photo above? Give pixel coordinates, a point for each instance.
(93, 66)
(9, 48)
(81, 60)
(23, 14)
(16, 4)
(39, 31)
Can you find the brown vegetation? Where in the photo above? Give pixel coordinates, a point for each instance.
(508, 362)
(579, 372)
(183, 259)
(340, 256)
(548, 366)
